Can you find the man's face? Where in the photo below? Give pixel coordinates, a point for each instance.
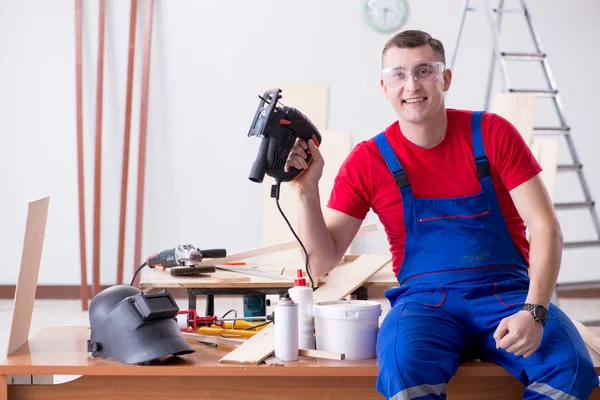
(415, 100)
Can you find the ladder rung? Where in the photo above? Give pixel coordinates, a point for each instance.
(508, 10)
(583, 243)
(523, 56)
(500, 10)
(537, 92)
(569, 167)
(572, 206)
(551, 130)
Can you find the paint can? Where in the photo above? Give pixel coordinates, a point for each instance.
(347, 326)
(286, 329)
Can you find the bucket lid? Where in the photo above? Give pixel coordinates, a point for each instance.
(347, 309)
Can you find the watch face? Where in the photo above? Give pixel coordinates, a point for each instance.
(541, 313)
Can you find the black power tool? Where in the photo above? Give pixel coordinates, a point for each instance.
(279, 127)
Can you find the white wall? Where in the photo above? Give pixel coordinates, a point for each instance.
(210, 59)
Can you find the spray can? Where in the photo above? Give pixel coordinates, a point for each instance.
(303, 296)
(286, 329)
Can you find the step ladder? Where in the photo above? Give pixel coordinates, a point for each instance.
(500, 57)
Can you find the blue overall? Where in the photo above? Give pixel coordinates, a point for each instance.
(462, 274)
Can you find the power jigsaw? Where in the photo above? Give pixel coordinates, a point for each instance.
(279, 126)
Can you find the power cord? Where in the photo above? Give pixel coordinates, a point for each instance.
(275, 189)
(136, 272)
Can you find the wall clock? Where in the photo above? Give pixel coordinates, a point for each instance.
(385, 15)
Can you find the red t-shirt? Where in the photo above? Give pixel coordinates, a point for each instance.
(447, 170)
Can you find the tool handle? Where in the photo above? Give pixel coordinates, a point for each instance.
(213, 253)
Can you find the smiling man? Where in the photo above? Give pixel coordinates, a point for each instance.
(455, 191)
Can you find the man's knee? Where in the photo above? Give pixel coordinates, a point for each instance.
(575, 376)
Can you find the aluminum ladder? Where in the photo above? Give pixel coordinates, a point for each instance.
(494, 16)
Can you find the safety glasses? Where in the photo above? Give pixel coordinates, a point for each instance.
(421, 71)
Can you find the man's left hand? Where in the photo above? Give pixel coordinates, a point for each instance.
(519, 334)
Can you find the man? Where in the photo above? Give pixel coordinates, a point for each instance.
(454, 191)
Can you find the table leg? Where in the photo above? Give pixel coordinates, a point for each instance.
(3, 387)
(210, 304)
(191, 299)
(362, 293)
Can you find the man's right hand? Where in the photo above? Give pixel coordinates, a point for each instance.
(310, 179)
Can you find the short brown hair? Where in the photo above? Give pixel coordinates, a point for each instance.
(415, 38)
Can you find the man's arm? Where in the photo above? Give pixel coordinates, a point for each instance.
(535, 208)
(326, 239)
(520, 334)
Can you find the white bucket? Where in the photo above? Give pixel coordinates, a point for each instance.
(348, 327)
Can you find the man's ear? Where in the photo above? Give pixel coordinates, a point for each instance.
(447, 79)
(384, 88)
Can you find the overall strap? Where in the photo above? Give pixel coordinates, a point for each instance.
(392, 161)
(481, 161)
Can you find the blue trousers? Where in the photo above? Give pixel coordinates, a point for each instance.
(431, 328)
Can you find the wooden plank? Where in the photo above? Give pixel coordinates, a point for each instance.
(35, 230)
(545, 151)
(588, 336)
(230, 277)
(265, 250)
(518, 109)
(335, 147)
(345, 279)
(253, 272)
(255, 350)
(311, 99)
(213, 339)
(328, 355)
(342, 283)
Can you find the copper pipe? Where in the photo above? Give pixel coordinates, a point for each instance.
(80, 166)
(126, 141)
(149, 5)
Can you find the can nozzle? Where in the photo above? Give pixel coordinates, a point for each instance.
(300, 280)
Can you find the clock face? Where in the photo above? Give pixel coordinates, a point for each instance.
(385, 15)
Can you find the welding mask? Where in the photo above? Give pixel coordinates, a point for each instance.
(134, 327)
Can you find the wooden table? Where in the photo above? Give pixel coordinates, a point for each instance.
(210, 285)
(62, 351)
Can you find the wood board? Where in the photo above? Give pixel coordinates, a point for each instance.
(519, 110)
(347, 279)
(35, 230)
(313, 101)
(269, 249)
(588, 336)
(545, 150)
(335, 148)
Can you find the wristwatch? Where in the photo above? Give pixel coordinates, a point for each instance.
(539, 312)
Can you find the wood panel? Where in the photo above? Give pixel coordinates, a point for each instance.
(545, 150)
(160, 388)
(252, 388)
(518, 109)
(313, 101)
(35, 230)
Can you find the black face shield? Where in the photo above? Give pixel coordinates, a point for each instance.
(134, 327)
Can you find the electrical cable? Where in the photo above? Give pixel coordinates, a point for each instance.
(257, 326)
(275, 193)
(136, 272)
